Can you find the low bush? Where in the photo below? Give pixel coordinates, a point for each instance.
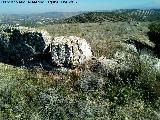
(154, 36)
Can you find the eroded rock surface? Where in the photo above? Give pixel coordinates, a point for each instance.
(31, 47)
(19, 45)
(70, 51)
(123, 65)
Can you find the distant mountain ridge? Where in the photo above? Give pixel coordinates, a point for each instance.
(122, 15)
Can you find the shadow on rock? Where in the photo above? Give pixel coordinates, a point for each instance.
(21, 48)
(155, 37)
(31, 49)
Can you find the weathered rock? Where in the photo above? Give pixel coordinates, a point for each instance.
(139, 46)
(19, 45)
(26, 46)
(152, 63)
(70, 51)
(122, 66)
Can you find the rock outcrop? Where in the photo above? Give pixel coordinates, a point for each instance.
(70, 51)
(141, 46)
(123, 65)
(19, 45)
(29, 47)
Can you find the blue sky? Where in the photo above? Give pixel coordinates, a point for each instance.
(81, 5)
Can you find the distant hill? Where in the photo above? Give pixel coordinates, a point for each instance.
(115, 16)
(144, 15)
(35, 19)
(53, 15)
(56, 14)
(97, 17)
(123, 15)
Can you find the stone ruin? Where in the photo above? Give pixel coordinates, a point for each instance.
(29, 47)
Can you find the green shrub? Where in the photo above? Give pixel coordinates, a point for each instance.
(154, 36)
(154, 27)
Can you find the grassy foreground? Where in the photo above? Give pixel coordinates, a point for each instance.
(83, 95)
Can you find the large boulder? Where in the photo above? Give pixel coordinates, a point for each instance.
(70, 51)
(20, 44)
(30, 47)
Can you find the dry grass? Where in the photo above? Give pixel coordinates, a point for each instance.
(81, 94)
(104, 37)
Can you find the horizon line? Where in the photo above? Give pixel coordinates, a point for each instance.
(80, 11)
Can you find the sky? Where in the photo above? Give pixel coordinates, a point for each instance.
(78, 5)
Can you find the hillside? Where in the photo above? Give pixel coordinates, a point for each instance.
(119, 81)
(35, 18)
(126, 15)
(115, 16)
